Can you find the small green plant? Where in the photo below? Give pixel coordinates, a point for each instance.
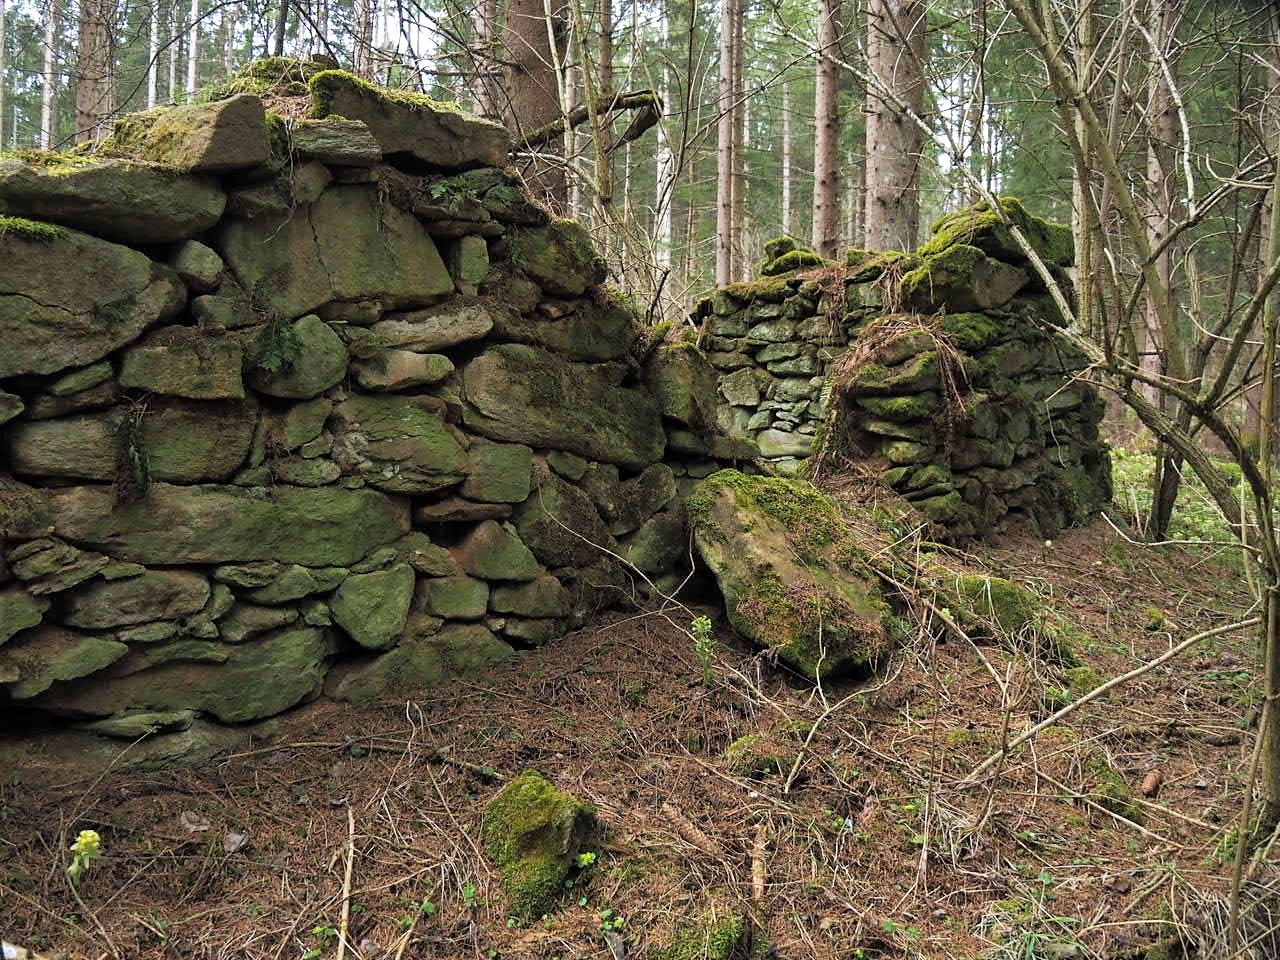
(609, 921)
(277, 346)
(584, 860)
(470, 898)
(87, 848)
(324, 936)
(704, 645)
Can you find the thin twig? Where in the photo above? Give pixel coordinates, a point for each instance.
(344, 924)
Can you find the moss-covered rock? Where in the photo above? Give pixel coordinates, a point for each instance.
(984, 228)
(559, 258)
(373, 607)
(154, 595)
(324, 527)
(561, 525)
(115, 199)
(714, 936)
(185, 362)
(349, 245)
(456, 598)
(961, 278)
(435, 328)
(493, 552)
(398, 444)
(684, 383)
(794, 260)
(70, 299)
(498, 472)
(335, 141)
(526, 395)
(214, 137)
(42, 657)
(407, 123)
(792, 579)
(539, 598)
(19, 611)
(533, 832)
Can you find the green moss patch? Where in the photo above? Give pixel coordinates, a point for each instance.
(713, 937)
(984, 228)
(32, 230)
(327, 84)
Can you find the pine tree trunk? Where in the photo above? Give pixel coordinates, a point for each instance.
(739, 184)
(664, 174)
(363, 39)
(226, 36)
(533, 87)
(786, 158)
(4, 77)
(153, 53)
(826, 118)
(724, 145)
(895, 61)
(175, 49)
(50, 65)
(485, 85)
(282, 23)
(193, 49)
(95, 79)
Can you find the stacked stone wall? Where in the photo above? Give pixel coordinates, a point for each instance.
(942, 368)
(314, 405)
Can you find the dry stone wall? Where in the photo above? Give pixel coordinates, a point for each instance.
(321, 405)
(941, 368)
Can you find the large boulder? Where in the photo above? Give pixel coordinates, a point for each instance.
(257, 679)
(185, 362)
(398, 444)
(436, 328)
(40, 658)
(324, 527)
(406, 123)
(117, 199)
(373, 607)
(297, 361)
(348, 245)
(684, 383)
(559, 258)
(792, 579)
(582, 331)
(68, 299)
(526, 395)
(154, 595)
(216, 137)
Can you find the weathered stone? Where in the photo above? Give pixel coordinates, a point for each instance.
(44, 656)
(185, 362)
(398, 444)
(19, 611)
(260, 679)
(420, 661)
(115, 199)
(300, 424)
(532, 633)
(499, 191)
(640, 498)
(458, 510)
(685, 384)
(347, 245)
(792, 578)
(540, 597)
(216, 524)
(11, 406)
(534, 833)
(155, 595)
(559, 258)
(587, 331)
(456, 598)
(229, 308)
(498, 473)
(780, 443)
(560, 525)
(50, 566)
(777, 351)
(335, 141)
(523, 394)
(794, 366)
(184, 442)
(772, 331)
(68, 299)
(246, 575)
(568, 465)
(398, 370)
(469, 260)
(314, 361)
(373, 607)
(436, 328)
(659, 546)
(960, 278)
(86, 378)
(215, 137)
(197, 266)
(304, 473)
(246, 620)
(295, 582)
(141, 723)
(740, 388)
(493, 553)
(433, 132)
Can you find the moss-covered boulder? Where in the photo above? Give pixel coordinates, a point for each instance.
(684, 382)
(716, 935)
(373, 607)
(398, 444)
(185, 362)
(534, 833)
(493, 552)
(584, 330)
(407, 123)
(217, 137)
(961, 278)
(298, 360)
(792, 579)
(324, 527)
(335, 141)
(153, 595)
(498, 473)
(526, 395)
(435, 328)
(19, 611)
(68, 299)
(115, 199)
(561, 525)
(984, 228)
(349, 245)
(559, 258)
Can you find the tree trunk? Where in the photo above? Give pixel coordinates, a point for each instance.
(226, 37)
(665, 172)
(895, 63)
(739, 184)
(282, 23)
(50, 65)
(363, 38)
(786, 158)
(826, 119)
(486, 82)
(153, 53)
(535, 48)
(193, 49)
(4, 78)
(95, 74)
(175, 49)
(724, 145)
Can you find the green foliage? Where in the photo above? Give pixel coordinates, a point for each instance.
(277, 346)
(704, 645)
(133, 464)
(32, 230)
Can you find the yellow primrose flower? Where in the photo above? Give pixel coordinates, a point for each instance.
(87, 843)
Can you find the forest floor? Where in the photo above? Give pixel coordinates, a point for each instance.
(871, 846)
